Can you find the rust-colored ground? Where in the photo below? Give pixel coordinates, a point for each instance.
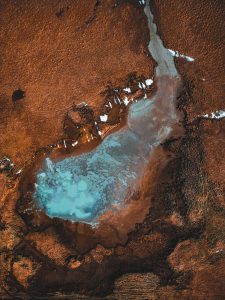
(62, 60)
(196, 29)
(65, 52)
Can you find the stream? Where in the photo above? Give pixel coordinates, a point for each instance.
(81, 188)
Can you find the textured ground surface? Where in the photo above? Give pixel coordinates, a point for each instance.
(62, 53)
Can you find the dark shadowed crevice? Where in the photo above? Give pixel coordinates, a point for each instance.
(18, 95)
(92, 17)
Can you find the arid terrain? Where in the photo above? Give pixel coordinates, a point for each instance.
(62, 63)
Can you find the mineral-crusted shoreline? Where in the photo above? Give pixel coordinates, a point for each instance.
(187, 215)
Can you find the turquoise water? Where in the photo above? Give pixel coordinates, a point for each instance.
(82, 188)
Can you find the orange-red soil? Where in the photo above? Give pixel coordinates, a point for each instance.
(65, 52)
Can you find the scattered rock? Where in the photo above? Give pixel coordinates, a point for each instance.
(9, 238)
(48, 244)
(188, 255)
(99, 253)
(74, 263)
(6, 165)
(24, 269)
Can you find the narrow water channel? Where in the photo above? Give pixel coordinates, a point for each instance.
(83, 187)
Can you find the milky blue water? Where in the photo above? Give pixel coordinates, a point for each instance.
(83, 187)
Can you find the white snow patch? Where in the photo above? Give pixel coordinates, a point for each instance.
(219, 114)
(177, 54)
(115, 100)
(18, 172)
(118, 100)
(82, 104)
(148, 81)
(188, 58)
(142, 85)
(219, 250)
(126, 101)
(104, 118)
(127, 90)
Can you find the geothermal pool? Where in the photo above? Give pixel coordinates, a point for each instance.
(83, 187)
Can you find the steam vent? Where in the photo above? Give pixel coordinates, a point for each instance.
(112, 137)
